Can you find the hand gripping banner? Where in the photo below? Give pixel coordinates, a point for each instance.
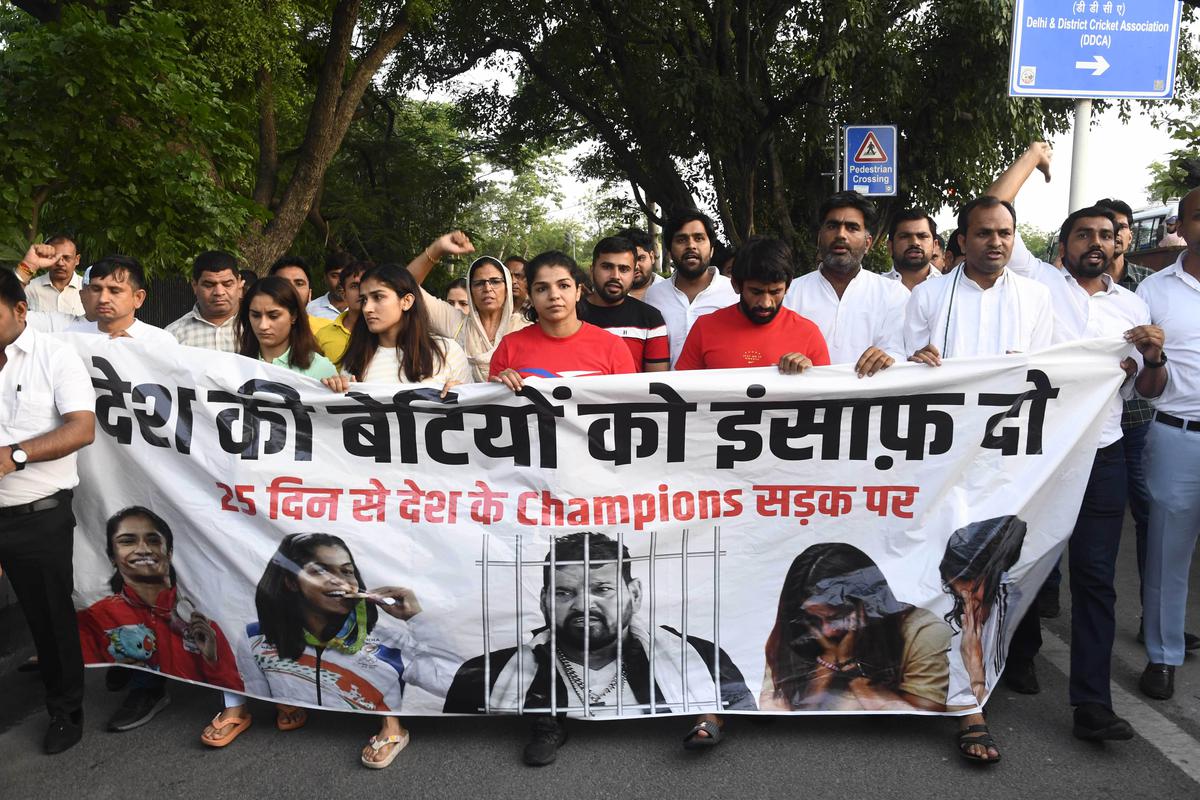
(736, 541)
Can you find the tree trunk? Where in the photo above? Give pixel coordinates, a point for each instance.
(332, 111)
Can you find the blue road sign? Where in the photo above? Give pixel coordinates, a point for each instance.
(1094, 48)
(870, 160)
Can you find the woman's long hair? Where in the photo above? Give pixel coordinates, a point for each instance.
(278, 600)
(420, 354)
(981, 553)
(840, 576)
(300, 338)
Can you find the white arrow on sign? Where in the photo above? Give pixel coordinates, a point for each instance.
(1099, 65)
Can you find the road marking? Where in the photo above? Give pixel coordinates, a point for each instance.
(1179, 747)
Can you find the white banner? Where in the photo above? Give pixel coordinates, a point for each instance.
(731, 540)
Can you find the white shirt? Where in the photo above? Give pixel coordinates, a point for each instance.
(140, 331)
(1079, 315)
(323, 307)
(680, 314)
(870, 313)
(43, 380)
(1173, 297)
(42, 295)
(50, 321)
(384, 366)
(895, 274)
(961, 318)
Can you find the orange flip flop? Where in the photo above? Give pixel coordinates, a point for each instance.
(290, 718)
(239, 724)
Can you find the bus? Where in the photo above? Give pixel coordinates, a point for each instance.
(1147, 230)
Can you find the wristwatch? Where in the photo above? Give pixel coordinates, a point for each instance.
(1156, 364)
(20, 457)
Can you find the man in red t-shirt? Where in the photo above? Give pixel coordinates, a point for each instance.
(757, 331)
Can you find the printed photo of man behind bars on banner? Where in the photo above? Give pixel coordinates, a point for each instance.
(592, 606)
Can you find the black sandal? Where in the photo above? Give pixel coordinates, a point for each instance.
(977, 736)
(694, 741)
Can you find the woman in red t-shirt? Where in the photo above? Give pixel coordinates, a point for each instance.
(560, 345)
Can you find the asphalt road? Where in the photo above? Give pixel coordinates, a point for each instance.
(820, 757)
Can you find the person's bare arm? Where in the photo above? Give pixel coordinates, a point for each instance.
(453, 243)
(1036, 157)
(78, 430)
(656, 366)
(38, 256)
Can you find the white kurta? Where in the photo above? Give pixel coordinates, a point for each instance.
(870, 313)
(680, 314)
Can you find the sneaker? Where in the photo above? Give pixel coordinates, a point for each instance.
(117, 678)
(140, 706)
(63, 733)
(548, 736)
(1097, 723)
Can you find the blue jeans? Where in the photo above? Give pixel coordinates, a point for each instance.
(1172, 462)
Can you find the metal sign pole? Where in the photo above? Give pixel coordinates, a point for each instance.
(1079, 154)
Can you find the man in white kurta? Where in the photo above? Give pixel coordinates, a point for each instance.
(859, 313)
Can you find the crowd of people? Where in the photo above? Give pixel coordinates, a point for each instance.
(977, 292)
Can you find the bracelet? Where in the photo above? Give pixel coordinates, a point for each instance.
(432, 260)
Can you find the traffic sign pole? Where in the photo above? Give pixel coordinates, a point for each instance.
(1079, 154)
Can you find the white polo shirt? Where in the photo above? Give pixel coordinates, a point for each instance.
(680, 314)
(1173, 297)
(870, 313)
(42, 295)
(961, 318)
(139, 331)
(43, 379)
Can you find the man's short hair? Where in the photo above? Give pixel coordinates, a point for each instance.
(683, 217)
(11, 290)
(514, 257)
(112, 265)
(291, 261)
(214, 261)
(613, 245)
(941, 243)
(600, 549)
(912, 215)
(338, 260)
(765, 259)
(59, 238)
(850, 200)
(355, 268)
(985, 201)
(639, 238)
(1093, 211)
(1117, 207)
(249, 278)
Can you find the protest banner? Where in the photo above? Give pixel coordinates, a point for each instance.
(734, 540)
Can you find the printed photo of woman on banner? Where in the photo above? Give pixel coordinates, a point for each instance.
(147, 621)
(842, 641)
(975, 572)
(320, 639)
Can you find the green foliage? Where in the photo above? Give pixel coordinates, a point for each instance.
(116, 133)
(1181, 173)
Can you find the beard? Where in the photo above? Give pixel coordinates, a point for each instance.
(692, 272)
(911, 263)
(1085, 269)
(758, 319)
(604, 636)
(841, 264)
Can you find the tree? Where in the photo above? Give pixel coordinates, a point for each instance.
(736, 102)
(333, 49)
(1181, 173)
(130, 154)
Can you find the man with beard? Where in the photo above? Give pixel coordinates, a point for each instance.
(758, 331)
(696, 288)
(644, 274)
(591, 614)
(860, 314)
(1087, 304)
(914, 243)
(609, 305)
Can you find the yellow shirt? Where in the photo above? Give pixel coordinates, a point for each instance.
(333, 337)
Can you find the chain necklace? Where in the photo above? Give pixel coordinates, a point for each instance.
(577, 682)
